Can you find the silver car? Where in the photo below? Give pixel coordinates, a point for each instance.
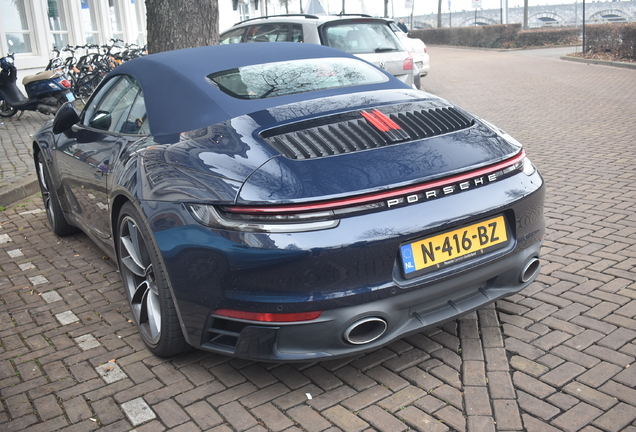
(369, 38)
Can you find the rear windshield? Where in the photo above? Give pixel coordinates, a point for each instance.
(297, 76)
(361, 37)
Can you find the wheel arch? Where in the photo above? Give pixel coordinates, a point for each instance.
(118, 203)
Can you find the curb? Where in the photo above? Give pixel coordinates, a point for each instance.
(625, 65)
(18, 190)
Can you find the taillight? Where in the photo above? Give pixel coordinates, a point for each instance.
(268, 317)
(65, 83)
(425, 50)
(408, 63)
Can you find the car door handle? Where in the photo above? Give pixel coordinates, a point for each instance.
(98, 172)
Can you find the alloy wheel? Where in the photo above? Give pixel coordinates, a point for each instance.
(139, 278)
(46, 194)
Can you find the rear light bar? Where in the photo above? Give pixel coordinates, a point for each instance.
(268, 317)
(324, 215)
(372, 198)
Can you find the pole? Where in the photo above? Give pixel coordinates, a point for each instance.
(501, 10)
(583, 26)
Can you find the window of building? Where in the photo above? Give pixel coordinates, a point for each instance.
(138, 18)
(244, 10)
(115, 20)
(89, 23)
(16, 25)
(57, 23)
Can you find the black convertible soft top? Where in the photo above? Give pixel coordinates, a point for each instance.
(179, 98)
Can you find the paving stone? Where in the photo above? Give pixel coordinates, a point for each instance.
(500, 385)
(531, 385)
(536, 407)
(87, 341)
(360, 381)
(474, 373)
(77, 409)
(401, 399)
(237, 416)
(364, 399)
(551, 340)
(523, 349)
(599, 374)
(107, 411)
(170, 413)
(430, 404)
(453, 417)
(562, 400)
(421, 379)
(449, 395)
(111, 372)
(477, 401)
(419, 420)
(584, 339)
(51, 296)
(577, 417)
(387, 378)
(345, 420)
(562, 374)
(528, 366)
(381, 420)
(66, 318)
(617, 418)
(618, 338)
(533, 425)
(609, 355)
(507, 414)
(496, 359)
(137, 411)
(273, 418)
(589, 395)
(448, 375)
(264, 395)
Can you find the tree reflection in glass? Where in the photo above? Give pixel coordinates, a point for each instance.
(292, 77)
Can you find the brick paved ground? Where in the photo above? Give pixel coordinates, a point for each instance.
(554, 358)
(17, 176)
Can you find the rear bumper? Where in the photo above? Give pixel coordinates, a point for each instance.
(403, 313)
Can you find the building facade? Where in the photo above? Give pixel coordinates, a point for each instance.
(33, 28)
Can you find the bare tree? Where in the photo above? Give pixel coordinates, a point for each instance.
(286, 3)
(439, 14)
(176, 24)
(386, 8)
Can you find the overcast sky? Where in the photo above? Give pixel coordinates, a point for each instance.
(397, 7)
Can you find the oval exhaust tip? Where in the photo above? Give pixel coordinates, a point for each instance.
(530, 270)
(364, 331)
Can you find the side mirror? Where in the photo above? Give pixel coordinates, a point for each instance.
(100, 120)
(65, 118)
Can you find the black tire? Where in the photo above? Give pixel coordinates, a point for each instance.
(55, 215)
(7, 110)
(144, 279)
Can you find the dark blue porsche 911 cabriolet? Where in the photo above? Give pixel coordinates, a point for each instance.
(289, 202)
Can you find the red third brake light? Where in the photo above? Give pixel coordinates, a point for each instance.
(268, 317)
(65, 83)
(408, 63)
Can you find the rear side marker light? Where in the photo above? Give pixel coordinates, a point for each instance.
(268, 317)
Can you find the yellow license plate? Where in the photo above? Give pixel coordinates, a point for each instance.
(453, 246)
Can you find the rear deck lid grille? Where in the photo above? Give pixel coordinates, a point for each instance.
(364, 130)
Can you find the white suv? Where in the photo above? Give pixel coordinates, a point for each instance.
(369, 38)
